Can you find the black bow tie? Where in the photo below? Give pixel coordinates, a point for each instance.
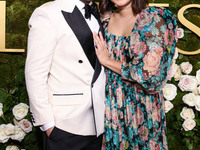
(91, 10)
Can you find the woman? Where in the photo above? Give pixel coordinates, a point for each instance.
(139, 48)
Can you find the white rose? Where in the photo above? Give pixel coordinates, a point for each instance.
(20, 111)
(198, 88)
(16, 122)
(172, 70)
(194, 83)
(169, 91)
(197, 104)
(189, 99)
(195, 91)
(168, 106)
(186, 67)
(180, 33)
(25, 125)
(12, 147)
(19, 134)
(1, 109)
(189, 124)
(9, 129)
(187, 113)
(3, 137)
(187, 83)
(198, 75)
(178, 74)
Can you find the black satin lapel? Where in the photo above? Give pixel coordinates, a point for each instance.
(83, 33)
(98, 65)
(97, 71)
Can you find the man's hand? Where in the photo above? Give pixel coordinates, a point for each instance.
(48, 132)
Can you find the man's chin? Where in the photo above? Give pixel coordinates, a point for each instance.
(86, 1)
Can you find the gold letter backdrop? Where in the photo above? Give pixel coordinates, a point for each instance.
(3, 29)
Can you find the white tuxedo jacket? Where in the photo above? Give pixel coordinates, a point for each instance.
(64, 79)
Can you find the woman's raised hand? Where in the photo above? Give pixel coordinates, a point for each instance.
(101, 48)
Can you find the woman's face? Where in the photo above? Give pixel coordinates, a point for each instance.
(121, 3)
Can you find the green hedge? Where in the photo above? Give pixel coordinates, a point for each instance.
(13, 89)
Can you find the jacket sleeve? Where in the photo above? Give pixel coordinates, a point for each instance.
(41, 45)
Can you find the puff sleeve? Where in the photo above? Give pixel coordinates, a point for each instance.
(151, 51)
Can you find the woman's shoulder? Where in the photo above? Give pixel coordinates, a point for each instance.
(161, 12)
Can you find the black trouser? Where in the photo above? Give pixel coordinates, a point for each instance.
(62, 140)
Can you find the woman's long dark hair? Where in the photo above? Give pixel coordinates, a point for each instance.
(137, 5)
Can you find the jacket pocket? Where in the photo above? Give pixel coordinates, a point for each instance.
(68, 94)
(67, 99)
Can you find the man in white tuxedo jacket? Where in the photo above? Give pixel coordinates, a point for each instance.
(65, 81)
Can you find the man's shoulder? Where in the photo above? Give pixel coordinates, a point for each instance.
(49, 6)
(56, 5)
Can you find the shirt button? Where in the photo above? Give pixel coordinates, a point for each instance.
(80, 61)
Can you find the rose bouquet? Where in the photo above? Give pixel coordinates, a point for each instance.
(20, 127)
(16, 130)
(182, 101)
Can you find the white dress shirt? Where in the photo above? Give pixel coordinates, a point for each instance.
(94, 27)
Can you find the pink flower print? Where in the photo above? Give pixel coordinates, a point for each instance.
(164, 139)
(170, 26)
(143, 133)
(148, 104)
(134, 39)
(108, 113)
(103, 147)
(140, 116)
(119, 96)
(144, 19)
(122, 145)
(134, 121)
(129, 113)
(121, 115)
(155, 115)
(161, 12)
(152, 143)
(159, 51)
(147, 35)
(169, 37)
(120, 132)
(105, 24)
(151, 62)
(115, 118)
(145, 76)
(157, 147)
(140, 48)
(156, 17)
(103, 143)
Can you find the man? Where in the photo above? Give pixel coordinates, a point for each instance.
(65, 81)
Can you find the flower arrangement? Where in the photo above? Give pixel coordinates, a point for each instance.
(184, 83)
(20, 128)
(16, 130)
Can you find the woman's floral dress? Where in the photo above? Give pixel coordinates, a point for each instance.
(135, 115)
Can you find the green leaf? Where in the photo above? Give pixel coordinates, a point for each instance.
(3, 95)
